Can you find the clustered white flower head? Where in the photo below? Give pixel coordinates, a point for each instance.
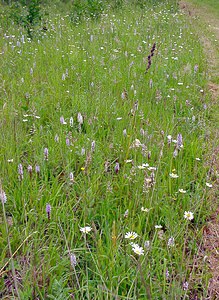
(188, 215)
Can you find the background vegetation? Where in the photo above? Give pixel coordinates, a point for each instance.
(104, 124)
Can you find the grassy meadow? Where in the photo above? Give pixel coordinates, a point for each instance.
(104, 137)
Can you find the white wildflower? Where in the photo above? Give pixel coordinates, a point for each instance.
(188, 215)
(131, 235)
(173, 175)
(137, 249)
(85, 229)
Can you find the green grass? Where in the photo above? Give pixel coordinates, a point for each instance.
(85, 69)
(211, 5)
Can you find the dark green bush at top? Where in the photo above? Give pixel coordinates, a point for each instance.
(86, 9)
(26, 14)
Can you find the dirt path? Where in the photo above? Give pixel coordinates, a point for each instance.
(206, 26)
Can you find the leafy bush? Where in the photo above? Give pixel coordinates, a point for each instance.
(26, 14)
(86, 9)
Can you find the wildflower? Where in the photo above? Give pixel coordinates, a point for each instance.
(173, 175)
(117, 168)
(182, 191)
(62, 120)
(137, 249)
(209, 185)
(85, 229)
(124, 94)
(175, 152)
(158, 226)
(126, 213)
(3, 197)
(46, 153)
(169, 139)
(71, 177)
(198, 159)
(136, 144)
(128, 161)
(30, 170)
(185, 285)
(131, 235)
(82, 151)
(56, 138)
(37, 169)
(151, 168)
(48, 210)
(179, 140)
(20, 172)
(124, 132)
(93, 145)
(73, 260)
(150, 56)
(145, 209)
(147, 244)
(142, 167)
(195, 68)
(142, 132)
(80, 118)
(188, 215)
(171, 242)
(71, 121)
(67, 141)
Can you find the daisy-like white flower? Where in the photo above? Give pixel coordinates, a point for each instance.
(152, 169)
(188, 215)
(209, 185)
(85, 229)
(137, 249)
(198, 159)
(158, 226)
(131, 235)
(141, 167)
(182, 191)
(145, 209)
(173, 175)
(127, 161)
